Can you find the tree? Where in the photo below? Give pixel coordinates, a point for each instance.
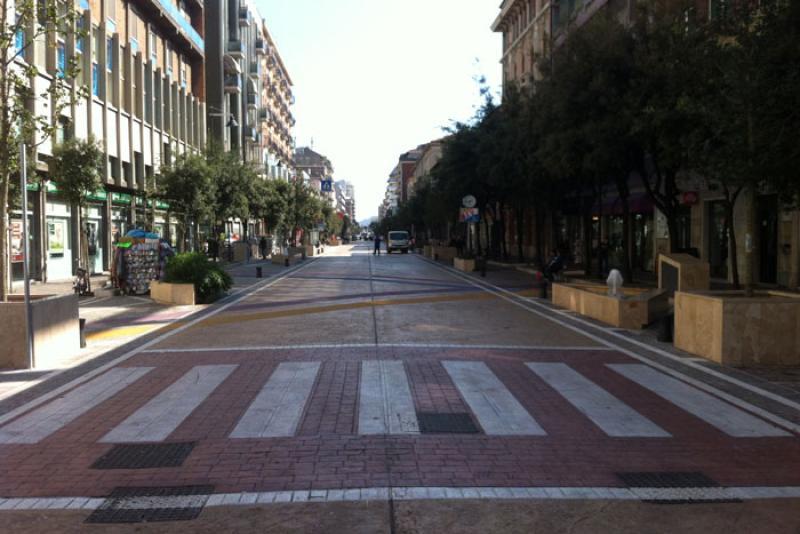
(189, 189)
(22, 23)
(76, 168)
(234, 186)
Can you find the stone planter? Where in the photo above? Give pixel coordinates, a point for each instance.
(427, 250)
(280, 259)
(729, 328)
(55, 326)
(310, 251)
(463, 264)
(172, 294)
(637, 309)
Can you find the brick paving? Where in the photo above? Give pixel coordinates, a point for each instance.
(326, 451)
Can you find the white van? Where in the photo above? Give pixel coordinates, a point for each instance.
(398, 240)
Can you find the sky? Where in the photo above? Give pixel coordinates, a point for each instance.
(374, 79)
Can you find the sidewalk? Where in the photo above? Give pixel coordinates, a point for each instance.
(114, 321)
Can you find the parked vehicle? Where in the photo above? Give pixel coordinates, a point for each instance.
(398, 240)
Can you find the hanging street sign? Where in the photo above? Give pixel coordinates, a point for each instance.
(469, 201)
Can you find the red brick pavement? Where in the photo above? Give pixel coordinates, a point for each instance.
(327, 453)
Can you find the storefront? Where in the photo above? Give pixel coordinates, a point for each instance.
(58, 244)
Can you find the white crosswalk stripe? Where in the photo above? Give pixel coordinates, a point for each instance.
(385, 402)
(498, 412)
(277, 409)
(165, 412)
(614, 417)
(725, 417)
(46, 420)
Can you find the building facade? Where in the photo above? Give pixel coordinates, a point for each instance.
(140, 92)
(319, 170)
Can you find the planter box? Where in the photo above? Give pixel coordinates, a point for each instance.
(729, 328)
(55, 326)
(639, 307)
(310, 251)
(427, 250)
(444, 253)
(280, 259)
(682, 272)
(172, 294)
(463, 264)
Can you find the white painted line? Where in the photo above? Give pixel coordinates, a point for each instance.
(245, 293)
(498, 412)
(379, 345)
(549, 313)
(277, 409)
(37, 425)
(385, 403)
(712, 410)
(613, 416)
(166, 411)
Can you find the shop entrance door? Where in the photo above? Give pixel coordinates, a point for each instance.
(93, 231)
(717, 240)
(768, 239)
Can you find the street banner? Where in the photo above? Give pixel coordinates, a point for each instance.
(470, 215)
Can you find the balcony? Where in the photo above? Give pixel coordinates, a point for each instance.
(252, 101)
(255, 70)
(263, 114)
(184, 27)
(236, 49)
(261, 47)
(233, 84)
(245, 19)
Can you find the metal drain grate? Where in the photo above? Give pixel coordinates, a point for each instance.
(145, 456)
(446, 423)
(667, 480)
(675, 488)
(143, 505)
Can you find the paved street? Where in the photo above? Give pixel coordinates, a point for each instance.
(403, 397)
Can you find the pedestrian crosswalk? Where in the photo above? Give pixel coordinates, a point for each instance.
(388, 402)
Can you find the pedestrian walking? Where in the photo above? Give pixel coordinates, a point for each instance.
(262, 245)
(377, 245)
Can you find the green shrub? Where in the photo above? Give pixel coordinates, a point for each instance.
(210, 281)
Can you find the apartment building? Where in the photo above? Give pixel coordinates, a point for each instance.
(345, 198)
(277, 120)
(319, 169)
(142, 68)
(430, 155)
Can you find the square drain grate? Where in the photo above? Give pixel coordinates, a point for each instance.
(144, 505)
(145, 456)
(446, 423)
(667, 480)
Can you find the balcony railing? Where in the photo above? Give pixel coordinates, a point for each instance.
(233, 84)
(244, 17)
(261, 46)
(236, 49)
(172, 10)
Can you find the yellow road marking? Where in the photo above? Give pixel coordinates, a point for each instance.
(128, 331)
(259, 316)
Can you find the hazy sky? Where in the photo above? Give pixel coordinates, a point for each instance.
(376, 78)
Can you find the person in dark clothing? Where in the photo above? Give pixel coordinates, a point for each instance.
(602, 258)
(377, 245)
(262, 245)
(554, 266)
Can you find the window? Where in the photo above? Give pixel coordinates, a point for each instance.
(109, 54)
(168, 59)
(62, 130)
(61, 59)
(153, 48)
(134, 46)
(95, 79)
(19, 38)
(183, 74)
(79, 37)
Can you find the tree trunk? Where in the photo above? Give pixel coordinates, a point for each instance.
(733, 252)
(4, 252)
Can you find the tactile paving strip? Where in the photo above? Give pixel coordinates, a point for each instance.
(446, 423)
(146, 456)
(141, 505)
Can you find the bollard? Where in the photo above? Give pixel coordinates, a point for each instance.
(543, 290)
(259, 273)
(82, 329)
(666, 328)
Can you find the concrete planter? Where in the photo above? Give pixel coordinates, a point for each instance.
(463, 264)
(427, 250)
(280, 259)
(444, 253)
(172, 294)
(637, 309)
(56, 330)
(729, 328)
(310, 251)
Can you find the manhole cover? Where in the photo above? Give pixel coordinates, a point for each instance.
(145, 456)
(667, 480)
(446, 423)
(140, 505)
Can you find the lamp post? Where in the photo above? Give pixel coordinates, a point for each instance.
(23, 173)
